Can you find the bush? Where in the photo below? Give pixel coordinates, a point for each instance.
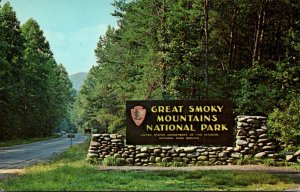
(284, 125)
(113, 161)
(255, 92)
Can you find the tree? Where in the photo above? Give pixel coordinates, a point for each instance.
(11, 57)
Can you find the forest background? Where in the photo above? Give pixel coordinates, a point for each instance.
(246, 51)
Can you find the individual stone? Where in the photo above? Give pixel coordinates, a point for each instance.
(229, 149)
(241, 119)
(94, 144)
(113, 136)
(178, 150)
(116, 140)
(262, 136)
(144, 160)
(255, 125)
(172, 151)
(260, 155)
(166, 148)
(182, 154)
(253, 121)
(271, 155)
(117, 155)
(200, 150)
(189, 149)
(252, 132)
(222, 154)
(236, 155)
(262, 140)
(202, 158)
(95, 137)
(130, 146)
(119, 136)
(237, 148)
(129, 160)
(144, 149)
(241, 137)
(289, 158)
(157, 151)
(125, 155)
(261, 117)
(241, 124)
(241, 133)
(268, 147)
(141, 155)
(241, 142)
(297, 153)
(92, 155)
(251, 145)
(261, 131)
(93, 151)
(152, 159)
(189, 155)
(204, 153)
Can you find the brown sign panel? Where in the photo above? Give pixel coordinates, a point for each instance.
(87, 131)
(189, 122)
(71, 135)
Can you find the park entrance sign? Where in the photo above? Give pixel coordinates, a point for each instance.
(180, 122)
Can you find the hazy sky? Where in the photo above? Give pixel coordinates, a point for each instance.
(72, 27)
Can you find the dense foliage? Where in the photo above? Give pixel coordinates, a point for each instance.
(158, 51)
(35, 91)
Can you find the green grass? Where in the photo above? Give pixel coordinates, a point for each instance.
(70, 171)
(12, 142)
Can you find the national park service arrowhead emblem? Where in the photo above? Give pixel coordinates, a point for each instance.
(138, 115)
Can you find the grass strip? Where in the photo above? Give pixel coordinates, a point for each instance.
(70, 171)
(12, 142)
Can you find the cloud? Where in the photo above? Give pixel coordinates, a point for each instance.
(75, 50)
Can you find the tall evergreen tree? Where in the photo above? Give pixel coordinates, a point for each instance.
(10, 71)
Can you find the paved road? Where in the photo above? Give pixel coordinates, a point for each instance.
(19, 156)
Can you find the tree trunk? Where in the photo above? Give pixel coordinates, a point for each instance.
(206, 47)
(259, 34)
(232, 39)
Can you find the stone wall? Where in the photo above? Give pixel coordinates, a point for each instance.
(251, 140)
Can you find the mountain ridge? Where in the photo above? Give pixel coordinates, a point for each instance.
(78, 79)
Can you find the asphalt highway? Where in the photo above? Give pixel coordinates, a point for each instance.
(19, 156)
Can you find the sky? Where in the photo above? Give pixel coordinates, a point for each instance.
(72, 27)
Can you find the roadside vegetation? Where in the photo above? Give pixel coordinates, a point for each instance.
(35, 91)
(12, 142)
(70, 171)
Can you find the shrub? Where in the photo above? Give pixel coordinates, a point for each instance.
(284, 125)
(113, 161)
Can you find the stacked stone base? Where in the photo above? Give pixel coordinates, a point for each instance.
(251, 141)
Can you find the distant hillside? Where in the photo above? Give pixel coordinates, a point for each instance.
(78, 79)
